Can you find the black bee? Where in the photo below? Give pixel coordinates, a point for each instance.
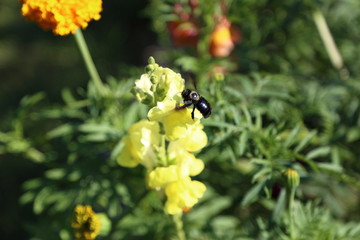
(200, 103)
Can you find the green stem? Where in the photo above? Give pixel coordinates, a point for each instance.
(89, 62)
(179, 226)
(291, 196)
(330, 45)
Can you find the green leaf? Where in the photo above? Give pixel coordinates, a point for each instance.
(330, 166)
(292, 136)
(247, 115)
(62, 130)
(218, 124)
(243, 142)
(279, 207)
(318, 152)
(235, 93)
(67, 96)
(40, 200)
(96, 127)
(32, 184)
(209, 209)
(55, 173)
(131, 115)
(253, 194)
(35, 155)
(258, 120)
(117, 149)
(305, 141)
(28, 101)
(27, 198)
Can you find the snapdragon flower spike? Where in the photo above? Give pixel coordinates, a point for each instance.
(165, 144)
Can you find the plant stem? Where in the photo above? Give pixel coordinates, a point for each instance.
(330, 45)
(291, 196)
(89, 63)
(179, 226)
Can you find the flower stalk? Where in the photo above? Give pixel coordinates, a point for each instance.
(179, 226)
(89, 63)
(291, 181)
(330, 45)
(291, 196)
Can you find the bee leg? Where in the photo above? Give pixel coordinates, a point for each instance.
(182, 106)
(192, 113)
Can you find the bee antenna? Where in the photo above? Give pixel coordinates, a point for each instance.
(190, 76)
(194, 82)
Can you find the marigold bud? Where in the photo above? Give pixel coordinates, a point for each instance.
(85, 222)
(291, 178)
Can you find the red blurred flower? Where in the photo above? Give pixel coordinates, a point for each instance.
(184, 32)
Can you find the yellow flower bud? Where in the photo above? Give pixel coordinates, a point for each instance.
(151, 60)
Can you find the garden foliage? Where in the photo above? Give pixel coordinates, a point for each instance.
(279, 104)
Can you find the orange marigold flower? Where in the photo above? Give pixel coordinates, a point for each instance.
(62, 16)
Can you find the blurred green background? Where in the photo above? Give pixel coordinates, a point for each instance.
(281, 77)
(33, 60)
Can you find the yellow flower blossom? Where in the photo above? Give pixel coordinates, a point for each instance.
(160, 176)
(177, 123)
(142, 90)
(186, 165)
(169, 82)
(187, 162)
(62, 16)
(192, 139)
(85, 222)
(157, 85)
(141, 145)
(183, 194)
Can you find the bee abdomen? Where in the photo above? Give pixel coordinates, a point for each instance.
(204, 107)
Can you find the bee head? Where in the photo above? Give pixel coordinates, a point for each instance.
(186, 93)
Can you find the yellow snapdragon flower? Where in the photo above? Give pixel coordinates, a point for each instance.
(178, 123)
(157, 85)
(183, 194)
(62, 16)
(192, 138)
(164, 145)
(185, 165)
(141, 145)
